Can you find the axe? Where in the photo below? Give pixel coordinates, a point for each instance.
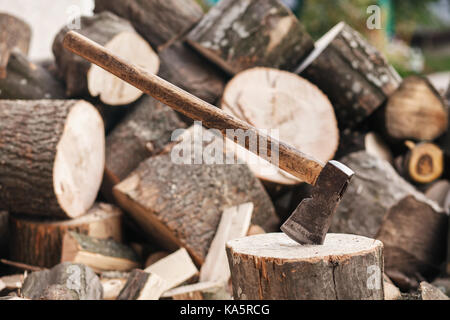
(310, 222)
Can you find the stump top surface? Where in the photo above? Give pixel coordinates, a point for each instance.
(280, 246)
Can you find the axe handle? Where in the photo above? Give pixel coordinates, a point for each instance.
(290, 159)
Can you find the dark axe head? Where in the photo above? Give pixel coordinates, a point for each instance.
(311, 220)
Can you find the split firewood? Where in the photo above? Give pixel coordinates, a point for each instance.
(274, 267)
(39, 242)
(155, 257)
(198, 291)
(142, 285)
(274, 99)
(159, 22)
(62, 282)
(113, 282)
(430, 292)
(183, 67)
(438, 192)
(254, 230)
(447, 269)
(55, 148)
(361, 78)
(234, 224)
(424, 162)
(179, 203)
(12, 282)
(175, 269)
(237, 35)
(12, 298)
(416, 111)
(99, 254)
(141, 134)
(116, 34)
(4, 233)
(28, 81)
(442, 284)
(391, 292)
(15, 34)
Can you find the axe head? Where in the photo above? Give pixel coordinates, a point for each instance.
(311, 220)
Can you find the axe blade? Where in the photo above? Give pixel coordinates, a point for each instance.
(309, 223)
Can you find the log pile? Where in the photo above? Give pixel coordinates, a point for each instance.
(100, 183)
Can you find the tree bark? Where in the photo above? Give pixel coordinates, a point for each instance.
(39, 243)
(4, 233)
(237, 35)
(160, 22)
(28, 81)
(117, 35)
(361, 80)
(181, 204)
(15, 34)
(142, 285)
(55, 148)
(273, 267)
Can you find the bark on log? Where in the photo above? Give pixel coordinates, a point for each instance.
(237, 35)
(62, 282)
(143, 133)
(15, 34)
(424, 163)
(180, 204)
(273, 267)
(28, 81)
(4, 233)
(159, 22)
(55, 148)
(416, 111)
(142, 285)
(361, 78)
(98, 254)
(116, 34)
(39, 243)
(183, 67)
(273, 99)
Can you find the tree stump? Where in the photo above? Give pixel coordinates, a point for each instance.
(52, 156)
(159, 22)
(15, 34)
(353, 74)
(274, 99)
(237, 35)
(82, 77)
(274, 267)
(28, 81)
(39, 243)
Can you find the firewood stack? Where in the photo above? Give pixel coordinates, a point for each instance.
(99, 181)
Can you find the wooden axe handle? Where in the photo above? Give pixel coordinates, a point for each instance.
(289, 159)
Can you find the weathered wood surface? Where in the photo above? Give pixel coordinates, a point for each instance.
(160, 22)
(58, 159)
(39, 242)
(237, 35)
(142, 285)
(430, 292)
(113, 283)
(361, 80)
(274, 267)
(66, 281)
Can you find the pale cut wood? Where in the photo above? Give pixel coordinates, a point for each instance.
(59, 158)
(234, 224)
(113, 283)
(99, 254)
(2, 285)
(430, 292)
(391, 292)
(274, 267)
(143, 285)
(272, 99)
(175, 269)
(254, 230)
(424, 163)
(155, 257)
(39, 242)
(438, 192)
(12, 282)
(375, 146)
(199, 291)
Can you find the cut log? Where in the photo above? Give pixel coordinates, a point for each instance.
(159, 22)
(274, 267)
(113, 282)
(361, 78)
(234, 224)
(155, 257)
(237, 35)
(141, 134)
(442, 284)
(15, 34)
(62, 282)
(198, 291)
(117, 35)
(447, 269)
(414, 238)
(278, 100)
(183, 67)
(99, 254)
(424, 163)
(254, 230)
(430, 292)
(416, 111)
(391, 292)
(56, 149)
(180, 204)
(438, 192)
(142, 285)
(12, 282)
(28, 81)
(39, 242)
(4, 233)
(174, 269)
